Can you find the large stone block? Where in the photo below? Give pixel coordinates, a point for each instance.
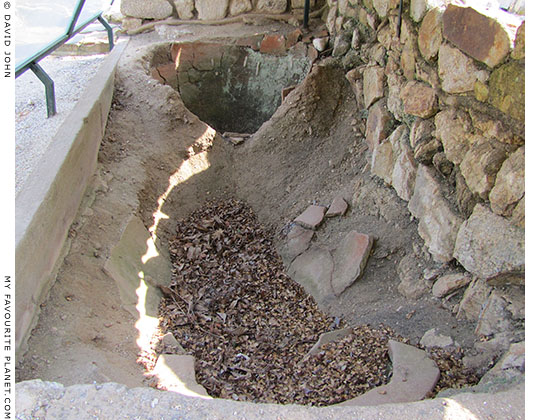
(373, 84)
(313, 270)
(378, 123)
(238, 7)
(453, 127)
(488, 244)
(211, 9)
(272, 6)
(145, 9)
(438, 224)
(184, 8)
(383, 160)
(481, 164)
(457, 71)
(404, 174)
(430, 34)
(419, 100)
(507, 89)
(481, 37)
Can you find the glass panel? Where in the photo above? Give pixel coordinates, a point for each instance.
(38, 23)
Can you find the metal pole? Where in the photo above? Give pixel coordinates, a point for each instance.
(49, 88)
(75, 17)
(109, 32)
(306, 13)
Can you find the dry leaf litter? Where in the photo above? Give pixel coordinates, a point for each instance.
(250, 327)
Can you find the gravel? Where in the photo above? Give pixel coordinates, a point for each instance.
(34, 131)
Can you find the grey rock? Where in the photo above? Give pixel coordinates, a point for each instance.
(177, 373)
(421, 131)
(457, 71)
(313, 270)
(510, 184)
(424, 152)
(378, 124)
(433, 338)
(211, 9)
(311, 217)
(473, 300)
(494, 318)
(450, 283)
(383, 160)
(342, 44)
(237, 7)
(481, 164)
(320, 44)
(487, 244)
(184, 8)
(350, 259)
(373, 85)
(298, 240)
(412, 284)
(438, 225)
(453, 127)
(171, 345)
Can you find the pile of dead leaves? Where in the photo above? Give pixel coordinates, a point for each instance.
(250, 326)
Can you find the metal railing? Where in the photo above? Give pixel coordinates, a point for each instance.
(32, 63)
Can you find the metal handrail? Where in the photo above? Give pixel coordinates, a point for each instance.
(32, 62)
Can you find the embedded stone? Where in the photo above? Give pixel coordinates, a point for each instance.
(355, 78)
(452, 129)
(337, 208)
(298, 240)
(425, 151)
(311, 217)
(313, 271)
(350, 259)
(457, 71)
(510, 184)
(394, 104)
(479, 36)
(131, 23)
(494, 318)
(378, 124)
(421, 130)
(419, 100)
(373, 84)
(473, 300)
(272, 6)
(518, 215)
(481, 164)
(211, 9)
(404, 170)
(507, 89)
(342, 44)
(237, 7)
(382, 7)
(382, 161)
(320, 44)
(412, 284)
(438, 224)
(408, 61)
(433, 338)
(450, 283)
(158, 9)
(488, 244)
(430, 34)
(184, 8)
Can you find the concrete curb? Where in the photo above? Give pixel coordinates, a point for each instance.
(48, 201)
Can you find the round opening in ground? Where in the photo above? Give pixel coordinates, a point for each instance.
(251, 328)
(232, 88)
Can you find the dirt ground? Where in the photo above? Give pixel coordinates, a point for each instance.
(309, 151)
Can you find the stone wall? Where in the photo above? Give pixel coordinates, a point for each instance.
(440, 92)
(137, 10)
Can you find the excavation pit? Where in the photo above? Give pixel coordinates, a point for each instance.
(233, 88)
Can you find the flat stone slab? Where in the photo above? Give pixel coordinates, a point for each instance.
(350, 259)
(313, 270)
(298, 240)
(137, 261)
(433, 338)
(311, 217)
(414, 375)
(177, 373)
(329, 337)
(337, 208)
